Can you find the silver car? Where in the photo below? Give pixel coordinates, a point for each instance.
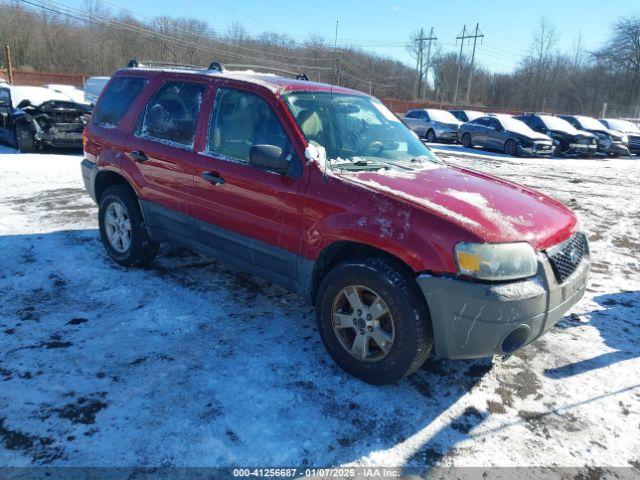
(432, 124)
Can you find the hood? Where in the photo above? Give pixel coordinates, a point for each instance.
(63, 106)
(531, 136)
(577, 133)
(492, 209)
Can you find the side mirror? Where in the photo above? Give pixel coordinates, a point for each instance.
(269, 157)
(24, 103)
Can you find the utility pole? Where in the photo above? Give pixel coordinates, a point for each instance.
(9, 65)
(478, 34)
(431, 39)
(417, 85)
(462, 39)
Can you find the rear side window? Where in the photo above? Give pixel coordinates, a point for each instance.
(116, 100)
(240, 120)
(171, 115)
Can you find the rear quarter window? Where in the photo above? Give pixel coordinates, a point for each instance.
(171, 115)
(117, 99)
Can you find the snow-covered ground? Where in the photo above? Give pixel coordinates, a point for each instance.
(192, 363)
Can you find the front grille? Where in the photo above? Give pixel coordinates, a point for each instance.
(566, 257)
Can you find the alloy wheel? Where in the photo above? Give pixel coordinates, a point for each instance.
(363, 323)
(118, 227)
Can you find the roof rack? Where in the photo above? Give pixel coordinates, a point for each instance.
(213, 67)
(135, 63)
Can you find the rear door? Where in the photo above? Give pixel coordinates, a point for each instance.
(249, 216)
(161, 149)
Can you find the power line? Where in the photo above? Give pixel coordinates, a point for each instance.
(150, 33)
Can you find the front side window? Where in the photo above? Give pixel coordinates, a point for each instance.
(171, 115)
(116, 100)
(240, 120)
(354, 127)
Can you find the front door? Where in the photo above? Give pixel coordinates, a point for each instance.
(251, 216)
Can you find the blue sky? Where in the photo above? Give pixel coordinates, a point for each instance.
(384, 26)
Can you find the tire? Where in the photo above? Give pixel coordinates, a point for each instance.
(25, 142)
(511, 148)
(431, 136)
(411, 337)
(140, 250)
(466, 141)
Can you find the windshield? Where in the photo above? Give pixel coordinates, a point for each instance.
(557, 123)
(590, 123)
(514, 125)
(442, 116)
(354, 127)
(622, 126)
(472, 114)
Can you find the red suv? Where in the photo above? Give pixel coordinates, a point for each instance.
(324, 190)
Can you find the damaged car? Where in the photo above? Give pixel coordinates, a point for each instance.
(610, 142)
(567, 139)
(35, 117)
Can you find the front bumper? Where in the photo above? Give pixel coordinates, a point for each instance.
(89, 173)
(614, 148)
(446, 135)
(581, 149)
(60, 139)
(537, 150)
(475, 320)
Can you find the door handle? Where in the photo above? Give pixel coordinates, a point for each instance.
(138, 156)
(213, 177)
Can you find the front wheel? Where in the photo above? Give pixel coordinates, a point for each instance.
(372, 320)
(25, 141)
(511, 148)
(466, 141)
(122, 228)
(431, 136)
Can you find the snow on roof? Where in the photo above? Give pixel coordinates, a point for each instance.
(274, 82)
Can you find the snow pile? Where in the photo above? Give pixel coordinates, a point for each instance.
(193, 363)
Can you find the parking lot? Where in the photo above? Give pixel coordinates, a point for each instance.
(190, 362)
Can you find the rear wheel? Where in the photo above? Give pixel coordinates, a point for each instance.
(511, 148)
(25, 140)
(466, 141)
(372, 321)
(431, 136)
(122, 228)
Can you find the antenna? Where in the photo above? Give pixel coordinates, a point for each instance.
(333, 75)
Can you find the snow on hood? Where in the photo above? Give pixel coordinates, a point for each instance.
(37, 95)
(75, 94)
(493, 209)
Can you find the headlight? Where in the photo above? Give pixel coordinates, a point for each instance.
(624, 139)
(496, 261)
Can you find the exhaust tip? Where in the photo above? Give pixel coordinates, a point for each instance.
(516, 339)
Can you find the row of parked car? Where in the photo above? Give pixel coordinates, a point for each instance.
(528, 134)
